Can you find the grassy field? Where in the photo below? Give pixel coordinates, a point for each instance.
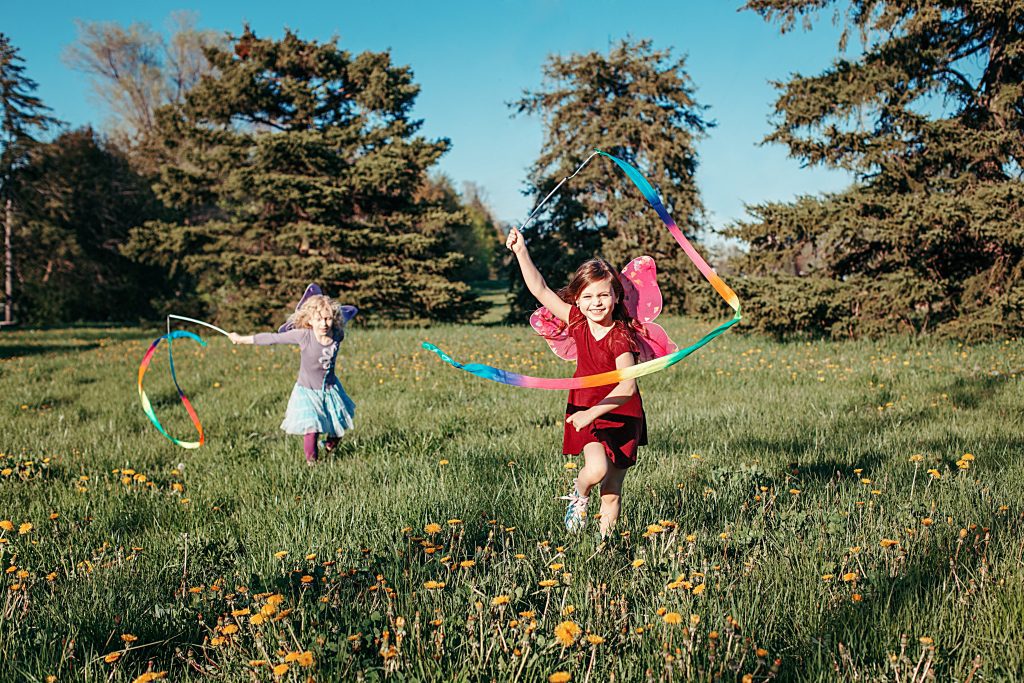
(805, 511)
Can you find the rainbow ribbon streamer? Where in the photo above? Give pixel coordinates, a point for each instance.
(147, 407)
(616, 376)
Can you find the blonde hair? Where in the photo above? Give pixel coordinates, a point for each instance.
(313, 306)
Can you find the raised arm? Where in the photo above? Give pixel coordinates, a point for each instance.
(533, 279)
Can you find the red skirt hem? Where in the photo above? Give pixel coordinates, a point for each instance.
(621, 436)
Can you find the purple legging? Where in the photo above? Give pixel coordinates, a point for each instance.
(310, 447)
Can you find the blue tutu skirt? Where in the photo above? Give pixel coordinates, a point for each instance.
(328, 411)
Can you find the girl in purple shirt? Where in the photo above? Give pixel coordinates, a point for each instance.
(318, 404)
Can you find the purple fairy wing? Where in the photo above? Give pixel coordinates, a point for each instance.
(348, 312)
(642, 297)
(555, 333)
(311, 290)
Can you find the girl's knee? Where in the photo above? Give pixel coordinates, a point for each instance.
(611, 484)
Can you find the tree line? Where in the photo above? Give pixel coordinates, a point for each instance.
(240, 167)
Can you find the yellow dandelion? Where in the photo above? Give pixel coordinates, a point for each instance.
(434, 585)
(594, 639)
(637, 563)
(25, 528)
(466, 564)
(112, 657)
(567, 632)
(547, 583)
(432, 528)
(499, 600)
(673, 618)
(850, 576)
(280, 669)
(888, 542)
(281, 554)
(560, 677)
(7, 525)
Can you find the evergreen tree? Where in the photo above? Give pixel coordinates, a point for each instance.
(23, 116)
(295, 161)
(636, 103)
(473, 232)
(931, 119)
(80, 198)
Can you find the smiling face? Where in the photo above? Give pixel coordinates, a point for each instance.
(321, 321)
(597, 301)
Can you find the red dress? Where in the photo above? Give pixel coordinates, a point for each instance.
(621, 431)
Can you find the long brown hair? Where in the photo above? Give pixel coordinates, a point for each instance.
(599, 270)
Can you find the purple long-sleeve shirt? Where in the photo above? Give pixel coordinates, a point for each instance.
(316, 365)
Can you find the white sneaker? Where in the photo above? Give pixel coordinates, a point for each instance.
(576, 512)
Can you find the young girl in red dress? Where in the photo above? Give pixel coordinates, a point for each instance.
(606, 423)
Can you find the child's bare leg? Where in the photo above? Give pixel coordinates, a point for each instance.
(611, 498)
(309, 445)
(595, 468)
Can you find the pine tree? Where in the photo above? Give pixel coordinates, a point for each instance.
(23, 116)
(295, 162)
(80, 197)
(930, 117)
(638, 104)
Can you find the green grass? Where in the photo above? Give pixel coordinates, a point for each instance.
(754, 475)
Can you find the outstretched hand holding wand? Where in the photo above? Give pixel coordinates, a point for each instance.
(534, 280)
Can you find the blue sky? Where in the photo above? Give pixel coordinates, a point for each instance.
(471, 58)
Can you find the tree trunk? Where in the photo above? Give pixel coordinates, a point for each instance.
(8, 264)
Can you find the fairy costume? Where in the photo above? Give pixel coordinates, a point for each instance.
(318, 402)
(624, 429)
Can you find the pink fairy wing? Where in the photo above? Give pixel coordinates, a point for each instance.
(554, 331)
(654, 342)
(640, 284)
